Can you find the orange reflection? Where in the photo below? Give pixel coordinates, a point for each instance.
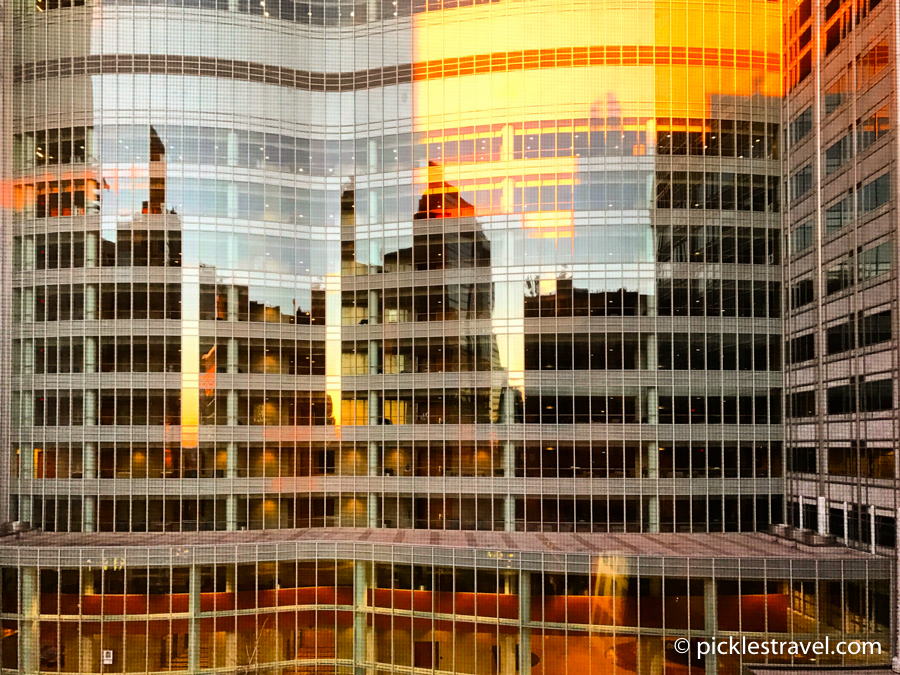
(612, 68)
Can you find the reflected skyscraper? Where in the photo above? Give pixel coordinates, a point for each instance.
(401, 336)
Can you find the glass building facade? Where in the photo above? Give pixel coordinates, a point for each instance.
(378, 336)
(841, 222)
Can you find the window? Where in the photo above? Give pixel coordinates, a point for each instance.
(875, 261)
(838, 153)
(802, 236)
(802, 293)
(863, 462)
(800, 127)
(69, 145)
(838, 277)
(840, 338)
(835, 94)
(841, 400)
(874, 396)
(871, 63)
(802, 404)
(803, 348)
(838, 215)
(803, 460)
(872, 128)
(875, 328)
(802, 181)
(875, 194)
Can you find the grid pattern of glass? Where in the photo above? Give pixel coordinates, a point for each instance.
(842, 422)
(363, 269)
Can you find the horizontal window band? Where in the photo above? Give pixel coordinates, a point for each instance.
(564, 57)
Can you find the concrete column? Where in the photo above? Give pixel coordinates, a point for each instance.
(91, 294)
(89, 513)
(509, 500)
(231, 358)
(653, 513)
(872, 529)
(91, 249)
(231, 513)
(231, 407)
(653, 499)
(194, 620)
(506, 649)
(847, 524)
(26, 509)
(89, 468)
(26, 311)
(26, 412)
(361, 642)
(29, 622)
(89, 407)
(231, 641)
(895, 662)
(89, 461)
(710, 607)
(652, 395)
(26, 357)
(823, 516)
(231, 471)
(87, 581)
(653, 462)
(508, 416)
(86, 654)
(800, 501)
(651, 351)
(232, 303)
(90, 354)
(28, 257)
(232, 149)
(524, 623)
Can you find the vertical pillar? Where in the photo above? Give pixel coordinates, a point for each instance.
(91, 249)
(895, 661)
(90, 302)
(872, 529)
(360, 602)
(89, 467)
(710, 607)
(652, 396)
(375, 369)
(653, 499)
(232, 362)
(822, 513)
(524, 623)
(26, 357)
(373, 10)
(89, 407)
(29, 622)
(231, 638)
(506, 651)
(194, 619)
(89, 514)
(509, 472)
(86, 654)
(26, 510)
(372, 510)
(28, 257)
(90, 354)
(509, 462)
(26, 310)
(847, 524)
(800, 501)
